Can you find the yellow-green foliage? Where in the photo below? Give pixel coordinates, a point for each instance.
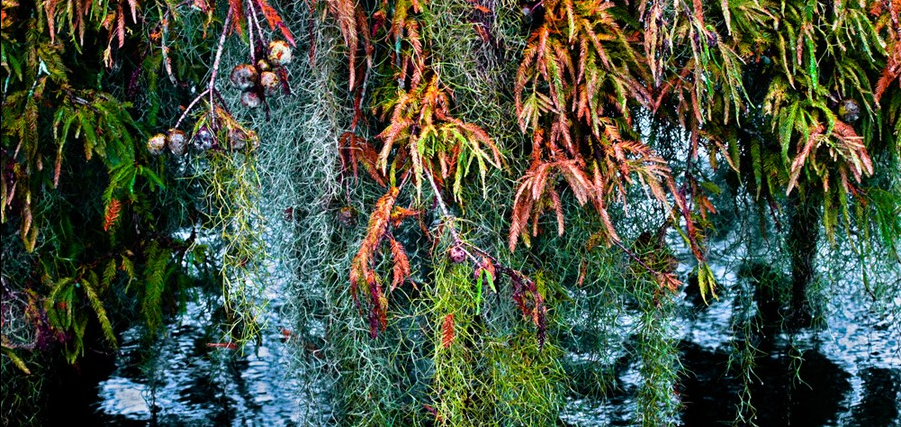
(460, 386)
(527, 380)
(482, 375)
(154, 285)
(232, 208)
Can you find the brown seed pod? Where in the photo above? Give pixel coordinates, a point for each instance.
(270, 82)
(156, 144)
(250, 99)
(237, 139)
(456, 254)
(849, 110)
(203, 139)
(244, 76)
(347, 216)
(176, 142)
(279, 53)
(253, 138)
(263, 65)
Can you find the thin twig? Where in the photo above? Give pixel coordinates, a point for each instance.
(637, 259)
(190, 107)
(167, 63)
(446, 216)
(253, 52)
(163, 26)
(219, 49)
(254, 23)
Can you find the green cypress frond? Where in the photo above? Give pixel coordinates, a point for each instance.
(89, 282)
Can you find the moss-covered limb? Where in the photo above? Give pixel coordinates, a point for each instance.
(231, 206)
(589, 318)
(802, 240)
(527, 382)
(476, 52)
(658, 401)
(381, 381)
(527, 377)
(313, 213)
(299, 199)
(459, 388)
(382, 408)
(489, 368)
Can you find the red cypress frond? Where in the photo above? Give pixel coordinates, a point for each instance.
(378, 306)
(361, 265)
(50, 13)
(522, 207)
(57, 166)
(693, 234)
(354, 150)
(120, 25)
(345, 12)
(523, 75)
(888, 76)
(414, 39)
(478, 138)
(237, 12)
(396, 32)
(398, 214)
(275, 21)
(112, 214)
(852, 150)
(799, 162)
(447, 331)
(668, 281)
(558, 209)
(401, 269)
(577, 179)
(378, 221)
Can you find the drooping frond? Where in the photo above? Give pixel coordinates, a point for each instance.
(577, 100)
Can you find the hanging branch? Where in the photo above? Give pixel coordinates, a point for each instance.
(215, 71)
(255, 25)
(522, 284)
(446, 216)
(211, 86)
(167, 62)
(190, 107)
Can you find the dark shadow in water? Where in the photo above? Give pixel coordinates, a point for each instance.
(882, 391)
(72, 393)
(711, 397)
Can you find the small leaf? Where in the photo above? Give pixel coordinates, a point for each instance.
(18, 362)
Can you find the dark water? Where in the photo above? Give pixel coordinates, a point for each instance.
(188, 378)
(846, 374)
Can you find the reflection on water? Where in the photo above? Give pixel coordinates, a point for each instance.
(812, 398)
(881, 394)
(849, 373)
(126, 398)
(190, 378)
(846, 374)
